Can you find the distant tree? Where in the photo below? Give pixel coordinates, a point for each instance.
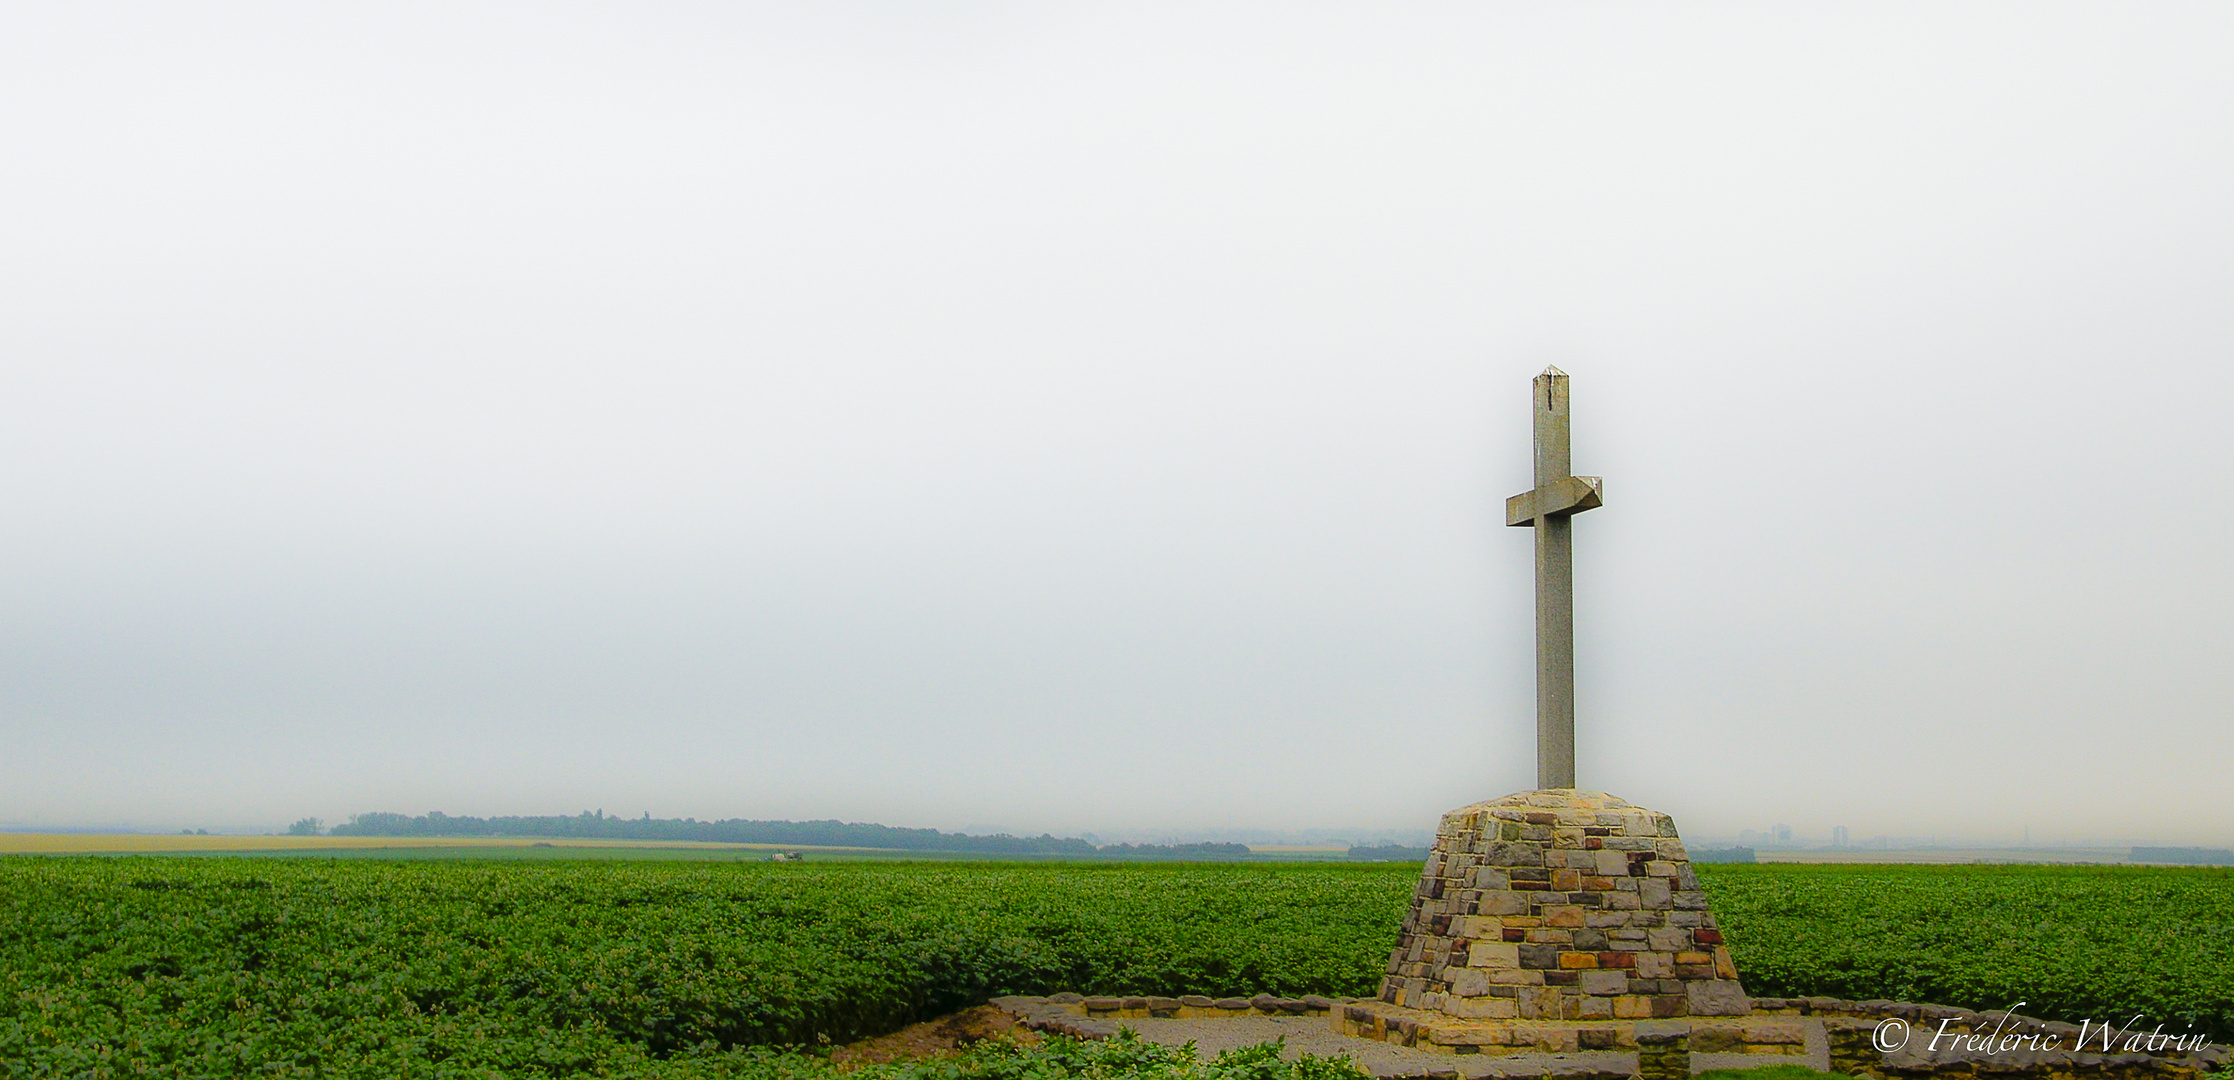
(308, 826)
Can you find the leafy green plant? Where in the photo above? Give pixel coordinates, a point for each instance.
(346, 968)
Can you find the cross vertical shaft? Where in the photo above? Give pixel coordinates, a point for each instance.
(1555, 596)
(1558, 496)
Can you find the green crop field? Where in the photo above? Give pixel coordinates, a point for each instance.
(227, 967)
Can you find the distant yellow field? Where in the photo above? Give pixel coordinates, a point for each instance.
(1954, 855)
(129, 843)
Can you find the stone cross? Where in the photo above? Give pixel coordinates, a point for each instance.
(1559, 494)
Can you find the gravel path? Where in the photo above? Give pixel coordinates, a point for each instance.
(1313, 1035)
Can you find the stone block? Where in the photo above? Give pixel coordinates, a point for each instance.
(1575, 960)
(1503, 902)
(1654, 893)
(1539, 1003)
(1493, 954)
(1605, 983)
(1469, 982)
(1716, 997)
(1568, 915)
(1609, 863)
(1515, 853)
(1655, 965)
(1773, 1032)
(1484, 1008)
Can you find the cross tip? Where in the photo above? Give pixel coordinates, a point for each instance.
(1552, 373)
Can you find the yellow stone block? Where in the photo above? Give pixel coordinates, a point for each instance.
(1578, 959)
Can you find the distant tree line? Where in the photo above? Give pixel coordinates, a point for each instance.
(2196, 855)
(589, 825)
(1722, 854)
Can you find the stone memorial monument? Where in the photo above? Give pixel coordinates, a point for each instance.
(1557, 904)
(1563, 930)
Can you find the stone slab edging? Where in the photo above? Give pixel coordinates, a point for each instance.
(1097, 1017)
(1820, 1032)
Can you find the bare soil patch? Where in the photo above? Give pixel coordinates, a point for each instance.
(939, 1037)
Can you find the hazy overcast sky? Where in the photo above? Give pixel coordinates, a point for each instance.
(1098, 417)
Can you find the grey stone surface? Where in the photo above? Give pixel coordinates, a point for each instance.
(1557, 497)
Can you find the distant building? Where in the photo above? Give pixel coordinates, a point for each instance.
(1838, 836)
(1783, 834)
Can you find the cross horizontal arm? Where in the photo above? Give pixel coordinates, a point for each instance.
(1564, 496)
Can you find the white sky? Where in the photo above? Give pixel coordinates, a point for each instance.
(1099, 417)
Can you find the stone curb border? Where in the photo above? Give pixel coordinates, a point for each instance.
(1849, 1025)
(1085, 1017)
